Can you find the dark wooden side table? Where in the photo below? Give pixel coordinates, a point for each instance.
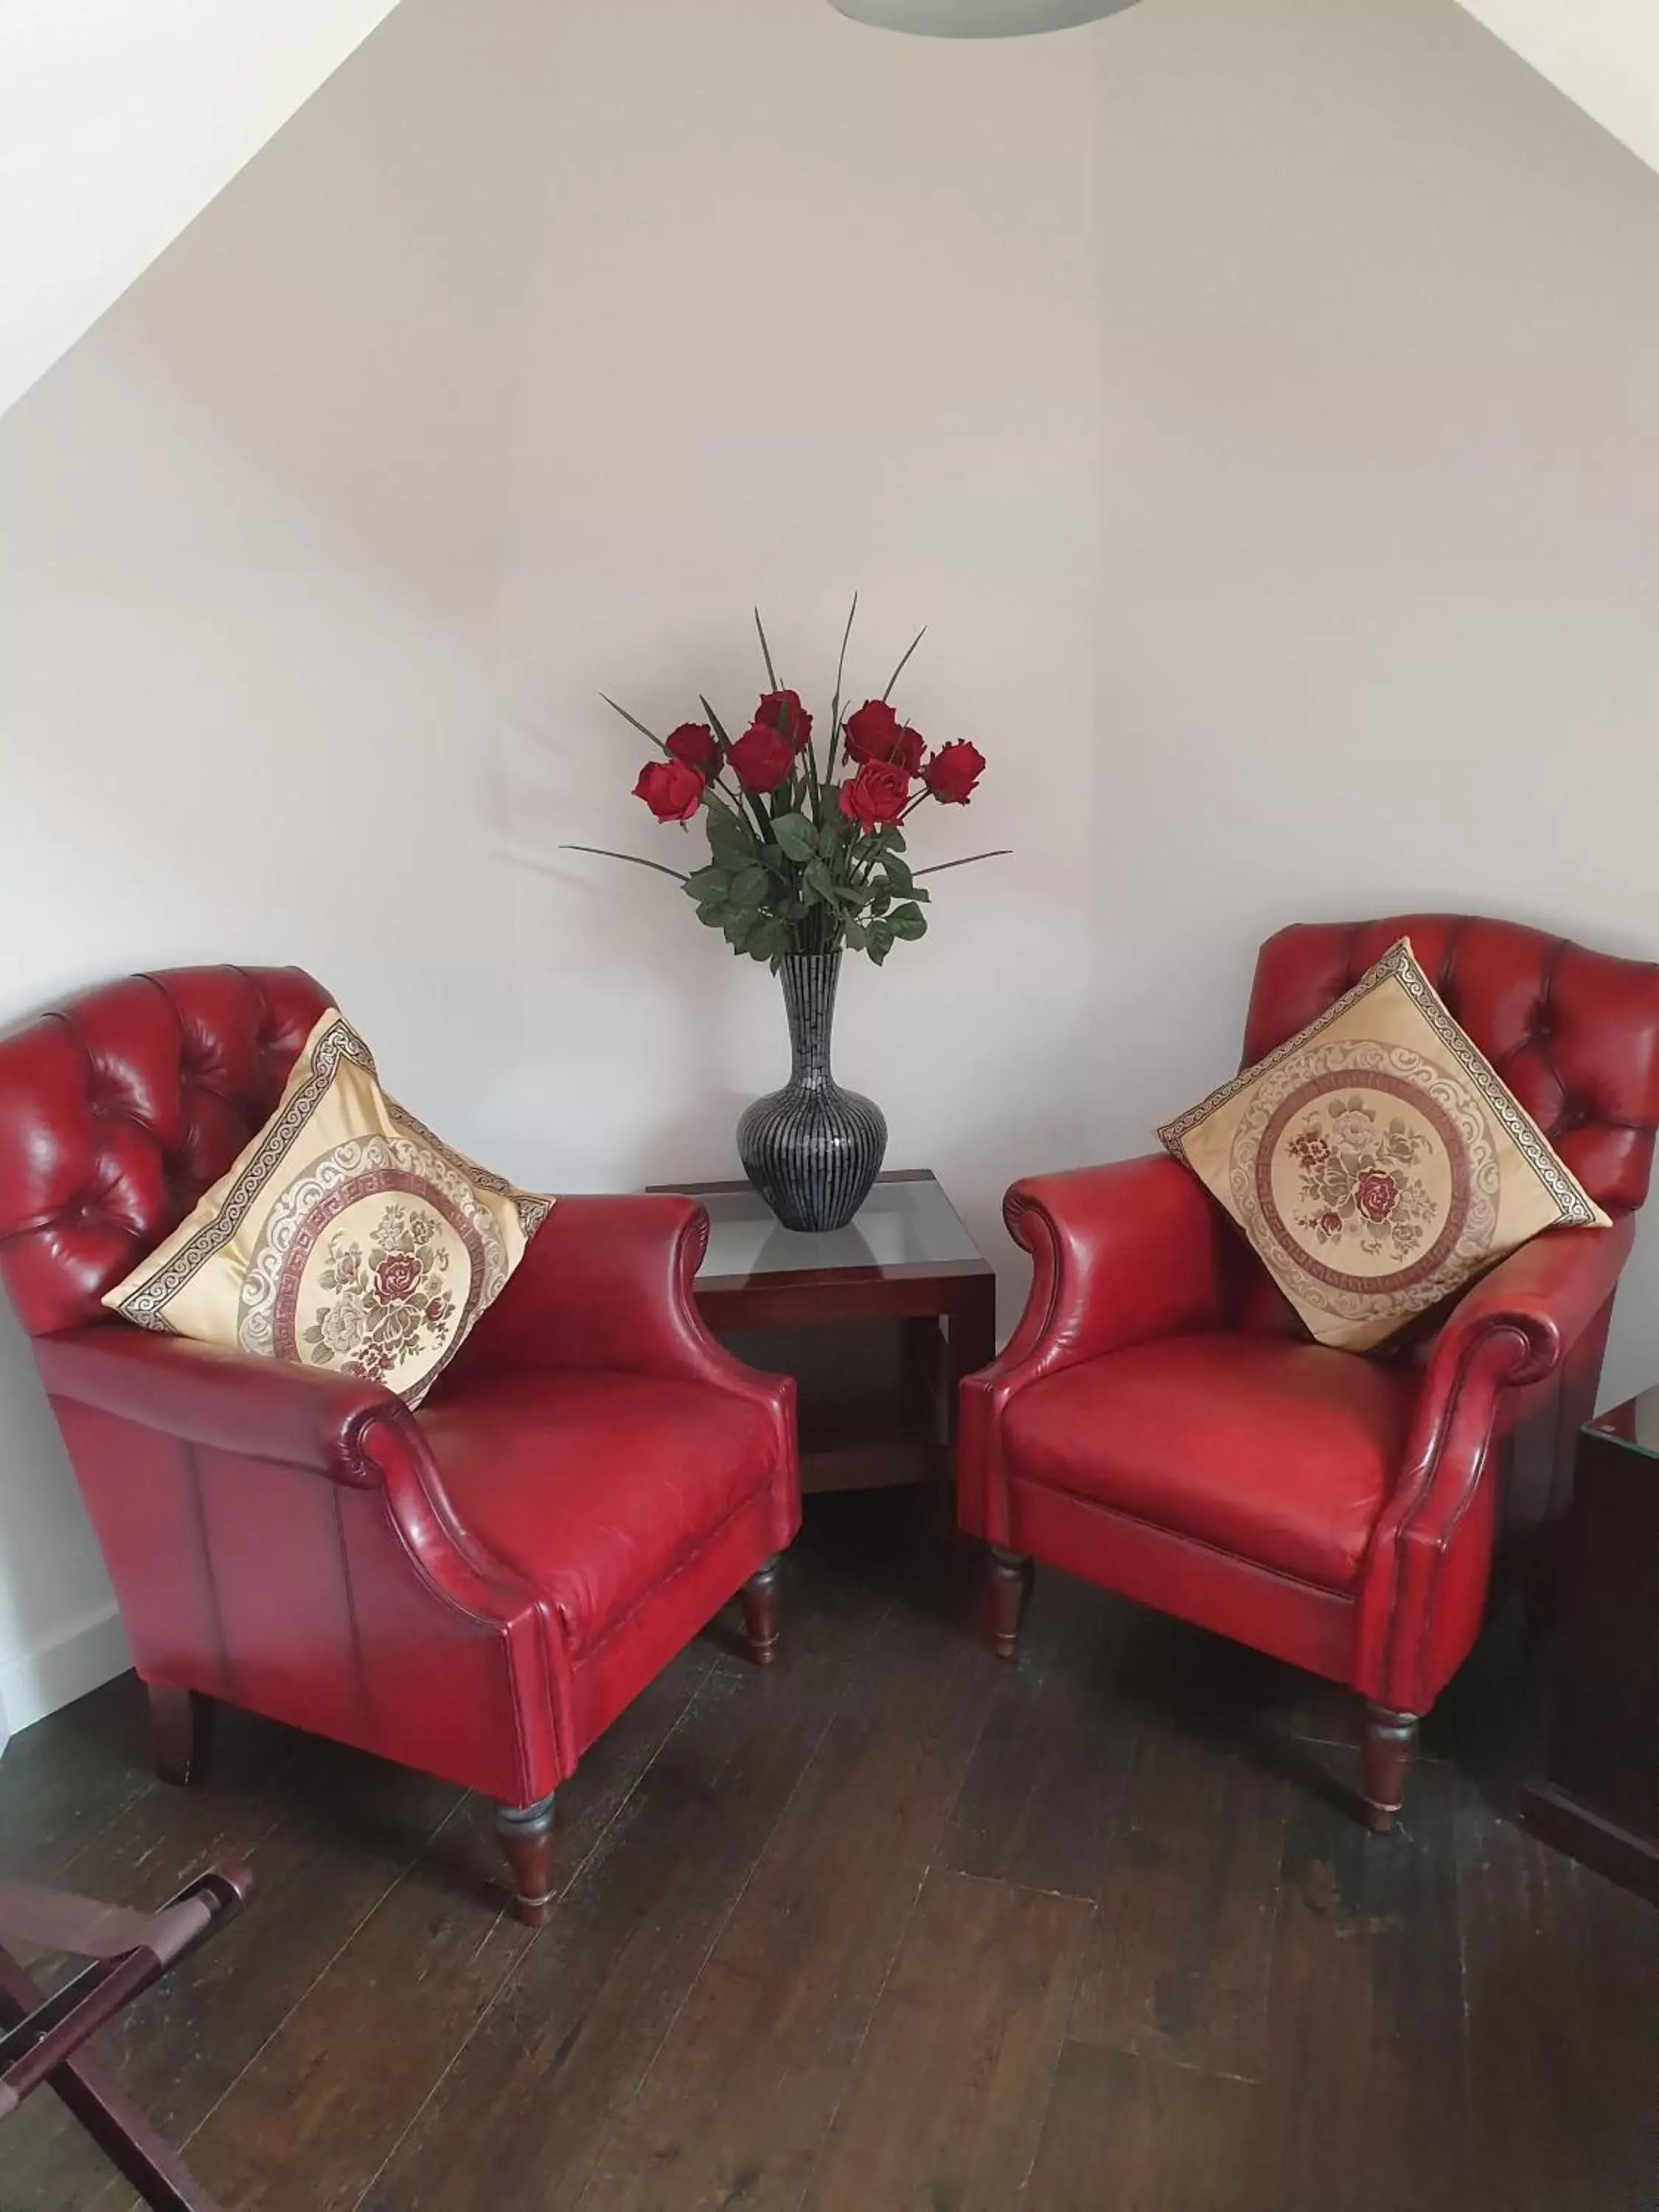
(877, 1322)
(1598, 1797)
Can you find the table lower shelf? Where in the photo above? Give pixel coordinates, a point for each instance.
(1558, 1819)
(872, 1398)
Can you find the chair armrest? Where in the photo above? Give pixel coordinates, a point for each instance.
(1426, 1575)
(446, 1642)
(1119, 1255)
(228, 1400)
(606, 1282)
(1545, 1296)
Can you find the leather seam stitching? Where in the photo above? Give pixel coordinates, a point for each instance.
(1202, 1543)
(682, 1559)
(359, 1667)
(1439, 1545)
(204, 1556)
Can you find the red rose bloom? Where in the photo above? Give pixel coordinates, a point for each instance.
(876, 733)
(952, 773)
(694, 743)
(670, 789)
(397, 1274)
(1376, 1194)
(1330, 1223)
(782, 711)
(761, 758)
(876, 796)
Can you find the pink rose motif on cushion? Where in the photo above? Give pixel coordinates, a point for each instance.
(1376, 1194)
(1353, 1169)
(388, 1302)
(399, 1271)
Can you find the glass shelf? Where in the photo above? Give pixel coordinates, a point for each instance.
(907, 1221)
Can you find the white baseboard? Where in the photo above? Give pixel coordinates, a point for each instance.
(65, 1667)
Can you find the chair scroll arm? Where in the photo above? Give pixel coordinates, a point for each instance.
(227, 1400)
(1514, 1327)
(606, 1282)
(1425, 1577)
(1120, 1253)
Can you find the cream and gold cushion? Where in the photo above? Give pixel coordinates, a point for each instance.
(1375, 1161)
(344, 1235)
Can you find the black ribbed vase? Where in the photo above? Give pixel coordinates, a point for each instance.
(811, 1150)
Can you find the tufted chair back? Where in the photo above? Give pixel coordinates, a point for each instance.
(1574, 1034)
(118, 1109)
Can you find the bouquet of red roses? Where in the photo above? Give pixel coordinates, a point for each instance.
(806, 853)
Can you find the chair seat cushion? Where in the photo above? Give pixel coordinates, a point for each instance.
(1277, 1452)
(597, 1487)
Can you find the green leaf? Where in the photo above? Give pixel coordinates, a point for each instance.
(828, 841)
(767, 940)
(766, 653)
(737, 924)
(856, 935)
(796, 835)
(731, 844)
(635, 720)
(897, 873)
(708, 885)
(750, 886)
(820, 879)
(713, 720)
(909, 921)
(712, 916)
(880, 900)
(840, 670)
(899, 671)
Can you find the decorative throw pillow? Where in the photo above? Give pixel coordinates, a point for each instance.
(344, 1235)
(1375, 1161)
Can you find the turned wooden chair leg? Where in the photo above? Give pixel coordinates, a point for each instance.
(762, 1612)
(180, 1732)
(1386, 1751)
(527, 1835)
(1008, 1582)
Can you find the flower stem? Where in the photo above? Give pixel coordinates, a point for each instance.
(835, 704)
(633, 858)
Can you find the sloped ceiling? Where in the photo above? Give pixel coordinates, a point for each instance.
(119, 122)
(1603, 54)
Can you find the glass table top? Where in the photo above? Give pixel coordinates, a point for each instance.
(906, 1222)
(1635, 1423)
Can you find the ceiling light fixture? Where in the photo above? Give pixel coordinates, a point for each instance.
(979, 19)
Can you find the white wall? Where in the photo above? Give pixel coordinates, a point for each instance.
(118, 123)
(1380, 487)
(248, 544)
(1602, 54)
(816, 309)
(1255, 403)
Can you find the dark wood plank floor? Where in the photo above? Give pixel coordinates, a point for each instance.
(890, 1927)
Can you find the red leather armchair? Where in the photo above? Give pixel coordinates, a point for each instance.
(475, 1588)
(1160, 1423)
